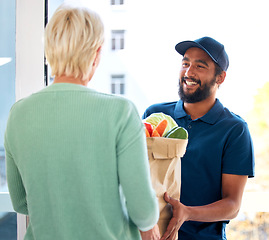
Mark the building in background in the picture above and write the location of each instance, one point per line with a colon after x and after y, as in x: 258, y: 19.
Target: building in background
x: 139, y: 62
x: 129, y: 65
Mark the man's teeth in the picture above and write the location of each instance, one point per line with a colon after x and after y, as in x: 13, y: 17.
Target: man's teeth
x: 190, y: 83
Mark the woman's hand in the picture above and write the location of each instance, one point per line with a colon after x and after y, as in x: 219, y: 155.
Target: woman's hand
x: 152, y: 234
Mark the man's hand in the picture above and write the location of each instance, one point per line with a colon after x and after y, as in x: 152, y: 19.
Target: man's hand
x: 224, y: 209
x: 152, y: 234
x: 180, y: 215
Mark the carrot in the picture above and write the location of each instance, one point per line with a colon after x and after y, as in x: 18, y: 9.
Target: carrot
x: 147, y: 132
x: 155, y: 133
x: 161, y: 126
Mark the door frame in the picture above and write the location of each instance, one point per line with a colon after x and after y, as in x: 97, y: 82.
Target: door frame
x: 30, y: 17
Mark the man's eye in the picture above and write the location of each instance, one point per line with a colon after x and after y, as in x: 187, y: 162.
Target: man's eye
x: 185, y: 64
x: 200, y: 66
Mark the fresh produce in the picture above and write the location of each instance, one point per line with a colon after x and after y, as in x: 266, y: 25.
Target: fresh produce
x: 177, y: 132
x: 171, y: 130
x: 155, y: 133
x: 149, y: 128
x: 147, y: 132
x: 162, y: 125
x: 155, y: 118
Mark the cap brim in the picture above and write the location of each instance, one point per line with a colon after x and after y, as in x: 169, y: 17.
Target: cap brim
x: 182, y: 47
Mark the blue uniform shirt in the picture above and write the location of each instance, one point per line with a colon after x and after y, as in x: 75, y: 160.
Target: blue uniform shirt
x: 219, y: 142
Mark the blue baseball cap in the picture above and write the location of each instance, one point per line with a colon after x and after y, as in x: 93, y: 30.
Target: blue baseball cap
x: 212, y: 47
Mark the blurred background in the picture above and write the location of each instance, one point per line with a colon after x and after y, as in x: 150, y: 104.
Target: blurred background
x: 139, y: 62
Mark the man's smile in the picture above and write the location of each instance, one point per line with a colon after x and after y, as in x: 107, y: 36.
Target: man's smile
x: 191, y: 81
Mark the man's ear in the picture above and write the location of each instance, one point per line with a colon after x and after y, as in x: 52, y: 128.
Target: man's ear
x: 221, y: 78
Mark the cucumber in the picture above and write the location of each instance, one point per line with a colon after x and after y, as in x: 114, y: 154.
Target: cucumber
x: 178, y: 132
x: 170, y: 131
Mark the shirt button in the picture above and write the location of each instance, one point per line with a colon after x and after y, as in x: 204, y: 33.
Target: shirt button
x: 189, y: 126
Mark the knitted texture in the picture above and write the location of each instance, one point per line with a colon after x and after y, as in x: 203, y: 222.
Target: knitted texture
x: 77, y: 165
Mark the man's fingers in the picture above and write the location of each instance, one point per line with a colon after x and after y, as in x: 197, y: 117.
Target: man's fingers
x: 170, y: 228
x: 176, y: 221
x: 170, y: 200
x: 166, y: 235
x: 166, y: 197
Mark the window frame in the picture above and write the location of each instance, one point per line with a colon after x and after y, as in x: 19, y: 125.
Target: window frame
x: 29, y: 76
x: 117, y: 40
x: 116, y: 2
x: 118, y: 84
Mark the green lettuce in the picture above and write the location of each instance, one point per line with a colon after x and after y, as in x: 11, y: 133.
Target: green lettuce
x: 155, y: 118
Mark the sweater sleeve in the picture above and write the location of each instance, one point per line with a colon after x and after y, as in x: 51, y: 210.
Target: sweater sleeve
x: 14, y: 180
x: 134, y: 173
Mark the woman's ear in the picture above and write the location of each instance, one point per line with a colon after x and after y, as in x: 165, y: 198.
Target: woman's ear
x: 97, y: 57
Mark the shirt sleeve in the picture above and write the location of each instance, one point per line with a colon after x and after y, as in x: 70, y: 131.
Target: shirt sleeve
x: 238, y: 153
x: 134, y: 173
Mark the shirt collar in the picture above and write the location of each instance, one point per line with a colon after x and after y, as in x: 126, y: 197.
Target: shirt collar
x: 210, y: 117
x: 179, y: 110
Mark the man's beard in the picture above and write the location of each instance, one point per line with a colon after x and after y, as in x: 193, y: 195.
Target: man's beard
x: 201, y: 93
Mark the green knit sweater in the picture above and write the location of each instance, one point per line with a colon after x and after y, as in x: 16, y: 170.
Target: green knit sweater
x: 77, y: 165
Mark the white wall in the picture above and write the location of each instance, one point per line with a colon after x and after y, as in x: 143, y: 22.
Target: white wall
x: 29, y: 47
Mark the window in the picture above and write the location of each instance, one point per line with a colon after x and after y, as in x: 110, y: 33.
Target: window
x: 28, y: 74
x: 118, y: 84
x: 8, y: 218
x: 3, y: 184
x: 117, y: 2
x: 117, y: 39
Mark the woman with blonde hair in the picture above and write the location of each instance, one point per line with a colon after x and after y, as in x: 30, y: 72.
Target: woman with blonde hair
x: 76, y: 158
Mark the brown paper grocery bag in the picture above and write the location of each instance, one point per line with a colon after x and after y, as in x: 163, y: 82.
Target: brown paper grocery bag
x: 165, y: 169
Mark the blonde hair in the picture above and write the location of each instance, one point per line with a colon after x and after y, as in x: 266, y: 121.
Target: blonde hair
x: 72, y: 38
